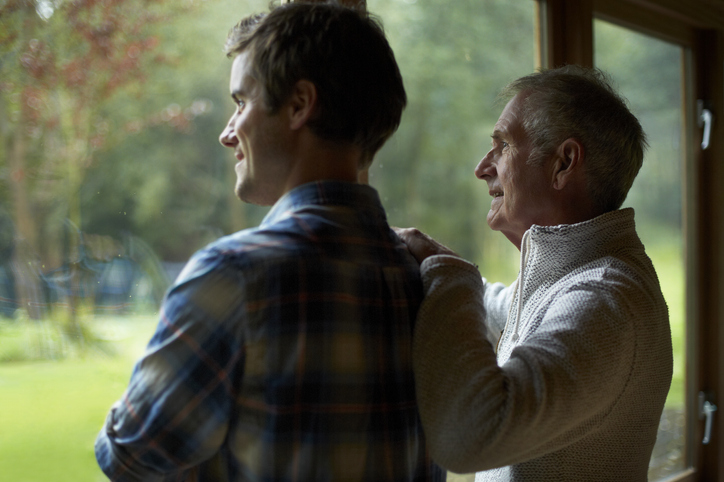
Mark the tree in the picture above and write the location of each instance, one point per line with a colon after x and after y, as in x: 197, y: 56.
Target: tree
x: 453, y: 62
x: 61, y: 63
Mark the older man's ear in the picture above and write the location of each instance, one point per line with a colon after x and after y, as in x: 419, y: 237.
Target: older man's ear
x: 568, y: 166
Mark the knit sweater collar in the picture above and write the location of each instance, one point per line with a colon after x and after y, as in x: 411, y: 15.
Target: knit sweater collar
x: 548, y: 253
x: 558, y: 247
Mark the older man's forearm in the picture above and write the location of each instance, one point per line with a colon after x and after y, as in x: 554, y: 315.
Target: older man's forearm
x: 455, y: 364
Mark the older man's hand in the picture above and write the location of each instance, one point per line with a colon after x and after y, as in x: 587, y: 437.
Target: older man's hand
x: 421, y: 245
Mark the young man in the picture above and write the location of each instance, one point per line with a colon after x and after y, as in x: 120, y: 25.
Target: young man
x: 563, y: 375
x: 284, y: 351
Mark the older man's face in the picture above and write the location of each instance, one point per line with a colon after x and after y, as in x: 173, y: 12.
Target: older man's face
x: 521, y: 192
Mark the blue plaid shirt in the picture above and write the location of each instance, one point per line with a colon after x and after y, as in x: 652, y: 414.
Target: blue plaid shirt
x: 283, y: 353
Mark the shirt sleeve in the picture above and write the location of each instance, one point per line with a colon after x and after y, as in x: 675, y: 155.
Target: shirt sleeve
x: 555, y: 386
x: 176, y: 409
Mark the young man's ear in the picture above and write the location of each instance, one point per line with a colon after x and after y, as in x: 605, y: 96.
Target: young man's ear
x: 302, y: 102
x: 568, y: 163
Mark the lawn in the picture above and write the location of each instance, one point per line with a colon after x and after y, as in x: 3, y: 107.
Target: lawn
x: 670, y: 270
x: 51, y: 411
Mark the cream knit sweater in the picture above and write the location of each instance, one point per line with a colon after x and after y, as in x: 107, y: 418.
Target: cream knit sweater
x: 582, y: 369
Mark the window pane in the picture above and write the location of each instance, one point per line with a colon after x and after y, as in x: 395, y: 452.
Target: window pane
x: 454, y: 59
x: 648, y: 72
x: 112, y: 177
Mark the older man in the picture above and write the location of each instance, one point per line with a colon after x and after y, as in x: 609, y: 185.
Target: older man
x: 284, y: 352
x: 563, y: 375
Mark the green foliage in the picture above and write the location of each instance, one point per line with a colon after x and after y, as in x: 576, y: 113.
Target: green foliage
x: 152, y: 167
x: 454, y: 62
x: 62, y: 64
x: 648, y: 73
x: 169, y: 180
x: 100, y: 121
x: 24, y: 339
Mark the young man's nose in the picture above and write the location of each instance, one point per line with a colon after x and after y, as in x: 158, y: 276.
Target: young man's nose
x: 228, y: 137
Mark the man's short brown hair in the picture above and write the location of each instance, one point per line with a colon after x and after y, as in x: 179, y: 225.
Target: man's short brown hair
x: 343, y: 52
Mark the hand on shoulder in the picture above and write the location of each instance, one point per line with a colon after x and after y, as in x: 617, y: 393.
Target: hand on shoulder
x: 420, y: 245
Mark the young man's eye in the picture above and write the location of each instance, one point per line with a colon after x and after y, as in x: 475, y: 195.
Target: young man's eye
x: 238, y: 101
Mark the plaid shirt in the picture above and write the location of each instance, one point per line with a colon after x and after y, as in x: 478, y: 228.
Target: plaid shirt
x: 282, y: 353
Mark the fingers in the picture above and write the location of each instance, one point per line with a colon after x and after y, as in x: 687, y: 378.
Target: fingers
x: 408, y: 234
x: 420, y: 245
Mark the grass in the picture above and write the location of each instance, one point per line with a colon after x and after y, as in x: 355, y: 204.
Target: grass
x: 52, y: 410
x: 667, y: 259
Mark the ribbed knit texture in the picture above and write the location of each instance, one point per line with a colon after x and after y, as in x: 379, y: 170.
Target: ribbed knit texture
x: 578, y: 396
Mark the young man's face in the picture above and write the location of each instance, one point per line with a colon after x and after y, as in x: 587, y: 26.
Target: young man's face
x: 259, y: 139
x: 521, y: 192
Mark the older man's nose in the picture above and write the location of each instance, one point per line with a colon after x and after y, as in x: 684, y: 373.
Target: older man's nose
x: 485, y: 168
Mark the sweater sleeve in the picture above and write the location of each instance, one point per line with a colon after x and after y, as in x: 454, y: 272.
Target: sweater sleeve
x: 496, y: 298
x: 450, y: 349
x: 553, y: 390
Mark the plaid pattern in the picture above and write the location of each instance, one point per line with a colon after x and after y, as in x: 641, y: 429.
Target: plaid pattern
x: 283, y: 353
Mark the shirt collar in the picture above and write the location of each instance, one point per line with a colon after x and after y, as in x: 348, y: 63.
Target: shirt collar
x: 330, y: 193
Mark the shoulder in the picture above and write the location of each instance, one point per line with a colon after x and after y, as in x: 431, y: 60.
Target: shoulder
x: 221, y: 279
x: 606, y: 299
x: 247, y: 248
x: 228, y: 266
x: 621, y: 279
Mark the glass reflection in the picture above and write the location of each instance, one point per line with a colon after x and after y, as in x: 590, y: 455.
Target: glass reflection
x: 112, y: 177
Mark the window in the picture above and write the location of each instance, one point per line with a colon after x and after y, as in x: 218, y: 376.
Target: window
x: 115, y: 177
x: 454, y: 61
x: 648, y: 72
x: 112, y: 177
